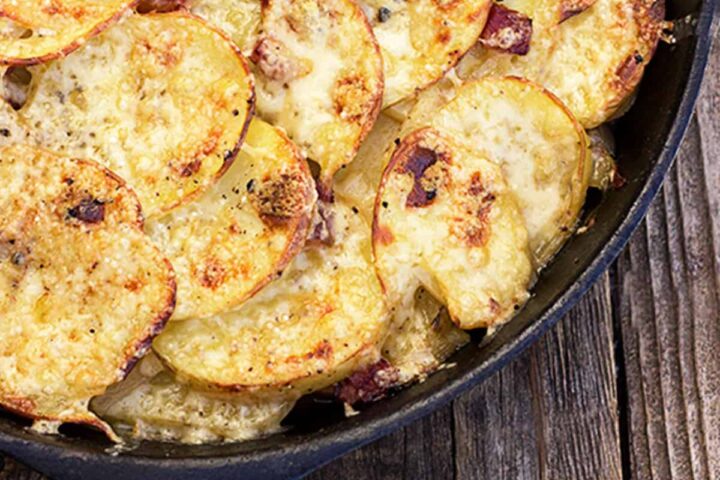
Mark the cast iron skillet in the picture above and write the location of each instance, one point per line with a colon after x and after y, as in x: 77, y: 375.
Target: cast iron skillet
x: 647, y: 139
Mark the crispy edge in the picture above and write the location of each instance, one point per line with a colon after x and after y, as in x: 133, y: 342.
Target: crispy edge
x: 326, y: 179
x: 455, y: 59
x: 379, y: 233
x: 25, y: 407
x: 98, y: 28
x: 227, y: 159
x: 300, y: 225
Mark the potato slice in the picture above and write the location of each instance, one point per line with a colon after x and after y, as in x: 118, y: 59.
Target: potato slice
x: 592, y: 61
x: 83, y: 291
x: 540, y: 146
x: 36, y: 31
x: 152, y: 405
x: 239, y: 235
x: 421, y: 338
x: 446, y: 220
x: 163, y: 100
x: 320, y: 321
x: 422, y: 39
x: 318, y: 69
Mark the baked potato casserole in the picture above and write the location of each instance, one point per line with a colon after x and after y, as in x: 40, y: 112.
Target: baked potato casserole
x: 212, y: 208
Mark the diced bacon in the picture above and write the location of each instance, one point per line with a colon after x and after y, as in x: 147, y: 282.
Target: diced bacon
x: 507, y: 30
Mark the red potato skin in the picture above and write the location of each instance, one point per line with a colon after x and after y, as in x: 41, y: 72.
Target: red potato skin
x: 101, y: 27
x: 230, y: 155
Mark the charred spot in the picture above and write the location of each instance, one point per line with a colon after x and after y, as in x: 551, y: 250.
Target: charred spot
x: 383, y: 235
x: 89, y: 210
x: 190, y: 169
x: 444, y: 36
x: 323, y: 350
x: 350, y: 97
x: 507, y: 30
x: 160, y: 6
x: 418, y: 163
x: 212, y: 274
x: 133, y: 285
x: 383, y: 14
x: 474, y: 227
x: 369, y: 384
x: 280, y: 199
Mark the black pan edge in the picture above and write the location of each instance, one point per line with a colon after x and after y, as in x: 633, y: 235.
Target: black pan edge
x: 296, y: 455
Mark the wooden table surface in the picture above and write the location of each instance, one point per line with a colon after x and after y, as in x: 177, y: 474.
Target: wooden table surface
x: 627, y: 386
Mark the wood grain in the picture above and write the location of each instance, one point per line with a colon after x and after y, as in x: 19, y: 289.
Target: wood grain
x: 669, y: 313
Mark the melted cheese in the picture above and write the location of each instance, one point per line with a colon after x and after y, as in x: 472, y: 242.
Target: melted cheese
x: 324, y: 318
x: 592, y: 61
x: 422, y: 39
x: 539, y: 145
x: 152, y: 405
x: 82, y: 290
x: 34, y: 31
x: 234, y: 239
x: 329, y: 71
x: 162, y: 100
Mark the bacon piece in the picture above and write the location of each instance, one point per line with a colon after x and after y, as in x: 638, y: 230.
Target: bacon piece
x: 323, y: 226
x: 507, y: 30
x: 369, y: 384
x: 274, y: 61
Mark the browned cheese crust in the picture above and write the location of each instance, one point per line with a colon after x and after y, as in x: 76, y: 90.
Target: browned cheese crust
x: 82, y: 290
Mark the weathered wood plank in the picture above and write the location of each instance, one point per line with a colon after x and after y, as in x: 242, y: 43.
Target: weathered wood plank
x: 670, y: 312
x: 422, y: 450
x: 553, y: 413
x: 11, y: 470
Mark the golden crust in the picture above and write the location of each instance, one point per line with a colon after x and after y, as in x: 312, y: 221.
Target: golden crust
x: 422, y: 39
x: 236, y: 237
x: 320, y: 321
x: 162, y: 99
x: 318, y: 69
x: 72, y: 239
x: 592, y: 61
x: 446, y: 220
x: 539, y: 144
x: 55, y: 28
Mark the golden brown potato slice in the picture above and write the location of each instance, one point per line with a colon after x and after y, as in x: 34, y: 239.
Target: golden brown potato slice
x: 422, y: 39
x: 240, y: 234
x: 35, y: 31
x: 83, y: 291
x: 446, y: 220
x: 163, y: 100
x: 421, y: 336
x: 320, y: 321
x: 538, y: 143
x: 318, y: 69
x: 151, y: 404
x: 592, y: 61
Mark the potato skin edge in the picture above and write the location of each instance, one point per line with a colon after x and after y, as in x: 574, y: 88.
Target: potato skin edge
x: 67, y: 50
